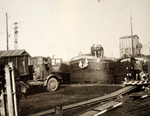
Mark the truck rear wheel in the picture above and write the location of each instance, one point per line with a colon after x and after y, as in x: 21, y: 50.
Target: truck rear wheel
x: 52, y: 85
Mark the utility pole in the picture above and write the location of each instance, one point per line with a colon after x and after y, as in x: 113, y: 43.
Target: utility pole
x: 131, y: 31
x: 131, y: 22
x: 53, y: 56
x: 15, y: 36
x: 7, y: 31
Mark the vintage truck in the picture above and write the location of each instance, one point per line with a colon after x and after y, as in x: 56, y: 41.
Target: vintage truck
x: 47, y: 72
x: 40, y: 71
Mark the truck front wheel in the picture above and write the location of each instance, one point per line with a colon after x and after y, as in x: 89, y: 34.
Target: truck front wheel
x: 52, y: 85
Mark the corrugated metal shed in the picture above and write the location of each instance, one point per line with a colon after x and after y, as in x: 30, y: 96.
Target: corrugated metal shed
x: 129, y: 36
x: 7, y: 53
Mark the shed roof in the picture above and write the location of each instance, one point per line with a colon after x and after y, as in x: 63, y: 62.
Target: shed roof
x: 128, y: 36
x: 7, y: 53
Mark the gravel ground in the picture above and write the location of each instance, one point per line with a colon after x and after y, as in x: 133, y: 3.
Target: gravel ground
x: 38, y: 101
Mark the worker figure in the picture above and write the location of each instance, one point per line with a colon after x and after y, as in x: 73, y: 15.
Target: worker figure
x: 98, y: 51
x: 133, y: 61
x: 144, y: 74
x: 138, y: 48
x: 93, y: 50
x: 131, y: 75
x: 128, y: 70
x: 145, y: 66
x: 138, y: 69
x: 101, y: 51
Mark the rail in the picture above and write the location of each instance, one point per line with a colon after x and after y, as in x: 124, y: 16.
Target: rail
x: 92, y: 101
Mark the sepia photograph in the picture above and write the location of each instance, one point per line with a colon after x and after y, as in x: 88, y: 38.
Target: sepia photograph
x: 74, y: 57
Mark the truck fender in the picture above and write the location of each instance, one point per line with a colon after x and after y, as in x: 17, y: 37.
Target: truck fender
x: 50, y: 76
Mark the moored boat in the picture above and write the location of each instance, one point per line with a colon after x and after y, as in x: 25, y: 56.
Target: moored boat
x: 90, y: 69
x: 132, y: 64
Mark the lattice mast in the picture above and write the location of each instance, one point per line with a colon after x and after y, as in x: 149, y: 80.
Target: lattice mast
x: 15, y: 36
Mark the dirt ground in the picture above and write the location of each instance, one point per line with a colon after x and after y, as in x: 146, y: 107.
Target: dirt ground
x: 38, y: 100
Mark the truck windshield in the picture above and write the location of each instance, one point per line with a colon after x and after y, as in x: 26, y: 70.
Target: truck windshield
x: 56, y: 61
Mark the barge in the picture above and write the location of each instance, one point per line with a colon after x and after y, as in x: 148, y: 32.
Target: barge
x: 86, y: 68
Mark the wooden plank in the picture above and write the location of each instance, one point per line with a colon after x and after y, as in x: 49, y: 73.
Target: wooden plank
x: 2, y: 110
x: 110, y: 107
x: 105, y: 106
x: 89, y: 113
x: 9, y: 90
x: 101, y: 109
x: 13, y: 89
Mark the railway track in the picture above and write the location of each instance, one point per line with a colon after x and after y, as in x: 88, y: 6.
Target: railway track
x: 138, y: 104
x: 73, y: 109
x: 143, y: 108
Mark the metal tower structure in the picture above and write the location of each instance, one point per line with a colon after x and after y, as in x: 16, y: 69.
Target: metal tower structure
x: 15, y: 36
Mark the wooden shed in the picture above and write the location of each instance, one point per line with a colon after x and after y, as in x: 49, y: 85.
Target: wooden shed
x: 20, y: 62
x: 129, y: 45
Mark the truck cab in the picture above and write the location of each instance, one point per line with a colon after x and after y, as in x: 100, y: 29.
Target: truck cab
x: 61, y: 68
x: 47, y: 72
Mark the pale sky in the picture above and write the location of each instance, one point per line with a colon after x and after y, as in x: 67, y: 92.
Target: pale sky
x: 65, y: 27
